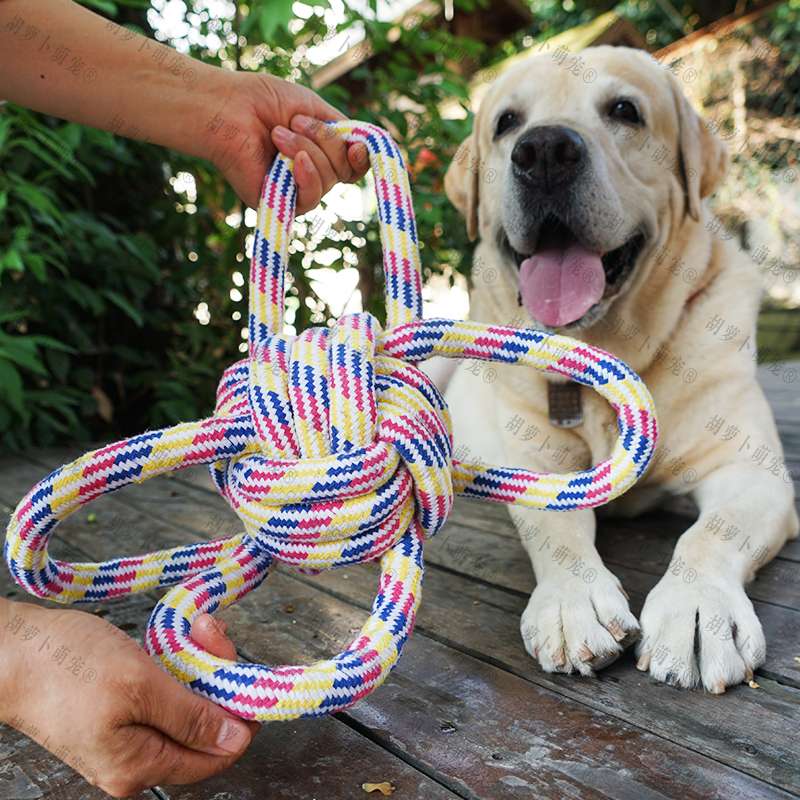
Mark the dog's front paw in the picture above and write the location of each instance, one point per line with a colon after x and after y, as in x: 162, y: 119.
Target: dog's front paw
x: 578, y: 624
x: 700, y: 631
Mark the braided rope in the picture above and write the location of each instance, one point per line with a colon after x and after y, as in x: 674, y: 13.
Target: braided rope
x: 333, y: 449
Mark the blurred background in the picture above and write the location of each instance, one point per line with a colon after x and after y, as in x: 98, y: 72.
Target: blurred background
x: 123, y: 266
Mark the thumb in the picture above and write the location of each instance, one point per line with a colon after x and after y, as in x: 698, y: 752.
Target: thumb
x: 193, y: 721
x: 358, y: 156
x: 209, y: 633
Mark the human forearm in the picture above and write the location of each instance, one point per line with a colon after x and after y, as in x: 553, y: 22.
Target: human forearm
x: 60, y: 58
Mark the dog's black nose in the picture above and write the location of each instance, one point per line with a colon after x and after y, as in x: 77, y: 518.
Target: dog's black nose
x: 549, y: 156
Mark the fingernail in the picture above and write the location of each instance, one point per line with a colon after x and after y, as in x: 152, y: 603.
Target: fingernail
x: 303, y: 122
x: 283, y: 135
x: 233, y: 736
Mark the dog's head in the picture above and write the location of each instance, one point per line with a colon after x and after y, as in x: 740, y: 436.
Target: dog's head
x: 575, y: 172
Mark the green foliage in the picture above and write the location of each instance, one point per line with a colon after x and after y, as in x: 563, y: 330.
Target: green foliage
x: 785, y: 33
x: 103, y: 264
x: 97, y: 286
x: 658, y: 27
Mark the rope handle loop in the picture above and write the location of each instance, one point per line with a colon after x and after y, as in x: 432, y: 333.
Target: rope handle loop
x: 396, y: 222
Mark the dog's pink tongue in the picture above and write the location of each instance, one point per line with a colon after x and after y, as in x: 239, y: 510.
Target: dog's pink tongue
x: 560, y: 286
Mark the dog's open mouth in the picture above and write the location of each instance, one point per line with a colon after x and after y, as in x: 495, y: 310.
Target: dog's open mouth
x: 561, y: 279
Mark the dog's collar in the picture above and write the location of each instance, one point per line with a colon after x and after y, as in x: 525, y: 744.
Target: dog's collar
x: 564, y: 406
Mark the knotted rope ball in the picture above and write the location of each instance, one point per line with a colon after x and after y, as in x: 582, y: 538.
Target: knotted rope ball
x: 333, y: 449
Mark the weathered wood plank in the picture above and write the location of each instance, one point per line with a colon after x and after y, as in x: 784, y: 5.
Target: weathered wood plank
x: 484, y: 621
x: 482, y: 730
x: 468, y: 554
x: 323, y: 756
x: 781, y: 385
x: 192, y: 509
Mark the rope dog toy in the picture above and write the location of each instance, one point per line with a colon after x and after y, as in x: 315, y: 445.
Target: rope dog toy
x: 333, y: 449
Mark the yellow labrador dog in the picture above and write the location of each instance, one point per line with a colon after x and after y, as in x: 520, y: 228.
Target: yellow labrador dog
x: 586, y: 190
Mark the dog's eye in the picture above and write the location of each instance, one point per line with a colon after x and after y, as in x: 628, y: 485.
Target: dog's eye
x: 625, y: 111
x: 506, y: 121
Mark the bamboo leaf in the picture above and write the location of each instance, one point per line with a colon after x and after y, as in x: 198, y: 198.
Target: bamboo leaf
x: 11, y: 387
x: 124, y: 305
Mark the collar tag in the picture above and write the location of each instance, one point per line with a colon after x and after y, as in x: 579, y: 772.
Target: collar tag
x: 564, y: 404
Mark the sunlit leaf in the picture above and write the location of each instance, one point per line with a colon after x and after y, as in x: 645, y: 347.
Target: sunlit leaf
x: 272, y: 15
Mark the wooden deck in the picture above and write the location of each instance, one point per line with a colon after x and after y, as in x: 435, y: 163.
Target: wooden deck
x: 466, y: 713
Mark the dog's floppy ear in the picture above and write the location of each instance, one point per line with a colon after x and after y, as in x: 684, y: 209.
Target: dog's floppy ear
x: 461, y: 181
x: 702, y: 157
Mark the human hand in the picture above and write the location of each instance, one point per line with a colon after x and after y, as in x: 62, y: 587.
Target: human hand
x: 260, y: 115
x: 236, y: 120
x: 122, y: 721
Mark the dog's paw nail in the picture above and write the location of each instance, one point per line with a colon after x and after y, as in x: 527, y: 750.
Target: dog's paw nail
x: 560, y: 658
x: 585, y: 654
x: 718, y: 688
x: 616, y: 630
x: 643, y: 663
x: 748, y: 676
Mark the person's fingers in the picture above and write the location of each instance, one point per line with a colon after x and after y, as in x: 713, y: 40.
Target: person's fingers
x: 358, y: 156
x: 309, y: 183
x: 191, y: 720
x: 209, y: 633
x: 349, y: 161
x: 292, y: 143
x: 330, y: 144
x: 158, y: 760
